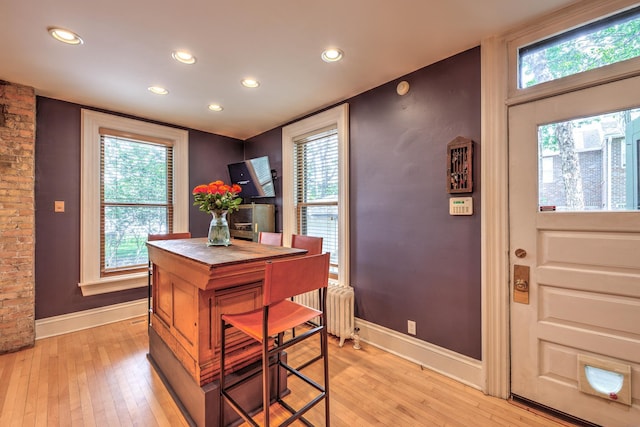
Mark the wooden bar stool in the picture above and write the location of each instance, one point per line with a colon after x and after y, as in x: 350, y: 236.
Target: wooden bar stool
x: 282, y: 280
x: 269, y: 238
x: 312, y: 244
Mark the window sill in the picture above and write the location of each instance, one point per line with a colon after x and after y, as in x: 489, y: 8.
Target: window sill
x: 114, y: 284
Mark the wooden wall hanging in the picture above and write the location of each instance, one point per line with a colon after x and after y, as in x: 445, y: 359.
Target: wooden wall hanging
x: 460, y: 165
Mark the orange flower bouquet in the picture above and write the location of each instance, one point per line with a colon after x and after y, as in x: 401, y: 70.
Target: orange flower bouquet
x: 217, y: 196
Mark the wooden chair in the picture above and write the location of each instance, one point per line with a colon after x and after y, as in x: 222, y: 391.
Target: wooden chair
x: 312, y: 244
x: 269, y: 238
x: 151, y: 237
x: 283, y: 279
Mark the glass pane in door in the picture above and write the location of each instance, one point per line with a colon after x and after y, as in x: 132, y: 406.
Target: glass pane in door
x: 590, y: 163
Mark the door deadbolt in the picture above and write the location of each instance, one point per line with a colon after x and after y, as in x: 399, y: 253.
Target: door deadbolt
x: 521, y: 284
x: 521, y: 253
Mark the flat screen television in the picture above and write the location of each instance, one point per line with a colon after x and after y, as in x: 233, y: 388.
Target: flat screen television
x: 254, y: 176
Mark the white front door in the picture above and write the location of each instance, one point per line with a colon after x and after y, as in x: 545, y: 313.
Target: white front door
x: 575, y: 346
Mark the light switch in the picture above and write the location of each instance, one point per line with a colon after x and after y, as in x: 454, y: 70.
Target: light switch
x: 58, y: 206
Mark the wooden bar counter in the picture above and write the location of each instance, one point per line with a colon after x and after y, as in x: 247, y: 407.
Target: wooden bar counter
x: 193, y: 284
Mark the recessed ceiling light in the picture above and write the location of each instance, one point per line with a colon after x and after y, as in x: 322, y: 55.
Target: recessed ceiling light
x: 215, y: 107
x: 183, y: 56
x: 158, y: 90
x: 332, y: 55
x: 250, y: 83
x: 65, y: 36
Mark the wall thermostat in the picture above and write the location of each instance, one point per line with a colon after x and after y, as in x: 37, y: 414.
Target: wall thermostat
x: 461, y: 206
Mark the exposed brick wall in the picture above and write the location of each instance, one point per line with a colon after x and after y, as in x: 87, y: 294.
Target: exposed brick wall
x: 17, y: 216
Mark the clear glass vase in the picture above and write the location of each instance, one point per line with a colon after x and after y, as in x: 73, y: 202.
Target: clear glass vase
x: 219, y: 230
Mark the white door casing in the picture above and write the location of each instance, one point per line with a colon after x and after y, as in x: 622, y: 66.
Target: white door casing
x: 584, y: 279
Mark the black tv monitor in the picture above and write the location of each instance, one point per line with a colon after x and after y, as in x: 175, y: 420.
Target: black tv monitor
x: 254, y: 176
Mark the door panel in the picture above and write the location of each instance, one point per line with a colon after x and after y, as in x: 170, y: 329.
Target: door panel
x: 584, y: 284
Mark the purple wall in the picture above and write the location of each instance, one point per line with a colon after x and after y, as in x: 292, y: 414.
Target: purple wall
x: 57, y: 251
x: 209, y: 155
x: 410, y: 260
x: 269, y: 144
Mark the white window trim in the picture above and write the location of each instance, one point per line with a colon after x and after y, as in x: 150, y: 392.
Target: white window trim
x: 336, y: 116
x: 556, y: 23
x: 90, y: 281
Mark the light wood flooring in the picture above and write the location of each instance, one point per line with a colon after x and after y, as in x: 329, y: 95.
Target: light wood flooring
x: 101, y: 377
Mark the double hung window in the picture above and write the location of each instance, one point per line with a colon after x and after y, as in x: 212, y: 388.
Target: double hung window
x: 316, y: 179
x: 315, y: 156
x: 136, y: 198
x: 134, y: 183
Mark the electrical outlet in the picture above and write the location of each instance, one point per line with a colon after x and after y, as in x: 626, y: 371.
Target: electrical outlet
x: 411, y: 327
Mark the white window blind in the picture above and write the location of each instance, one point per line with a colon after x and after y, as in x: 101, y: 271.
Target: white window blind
x: 136, y: 198
x: 316, y: 187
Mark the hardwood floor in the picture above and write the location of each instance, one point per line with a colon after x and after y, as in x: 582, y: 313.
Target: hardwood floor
x: 101, y: 377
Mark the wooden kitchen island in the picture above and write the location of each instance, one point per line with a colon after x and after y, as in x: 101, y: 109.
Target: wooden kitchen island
x: 192, y: 285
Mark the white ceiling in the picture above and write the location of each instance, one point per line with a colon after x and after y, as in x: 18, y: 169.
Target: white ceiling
x: 128, y: 44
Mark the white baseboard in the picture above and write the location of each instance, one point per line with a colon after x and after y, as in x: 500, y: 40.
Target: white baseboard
x: 58, y: 325
x: 446, y: 362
